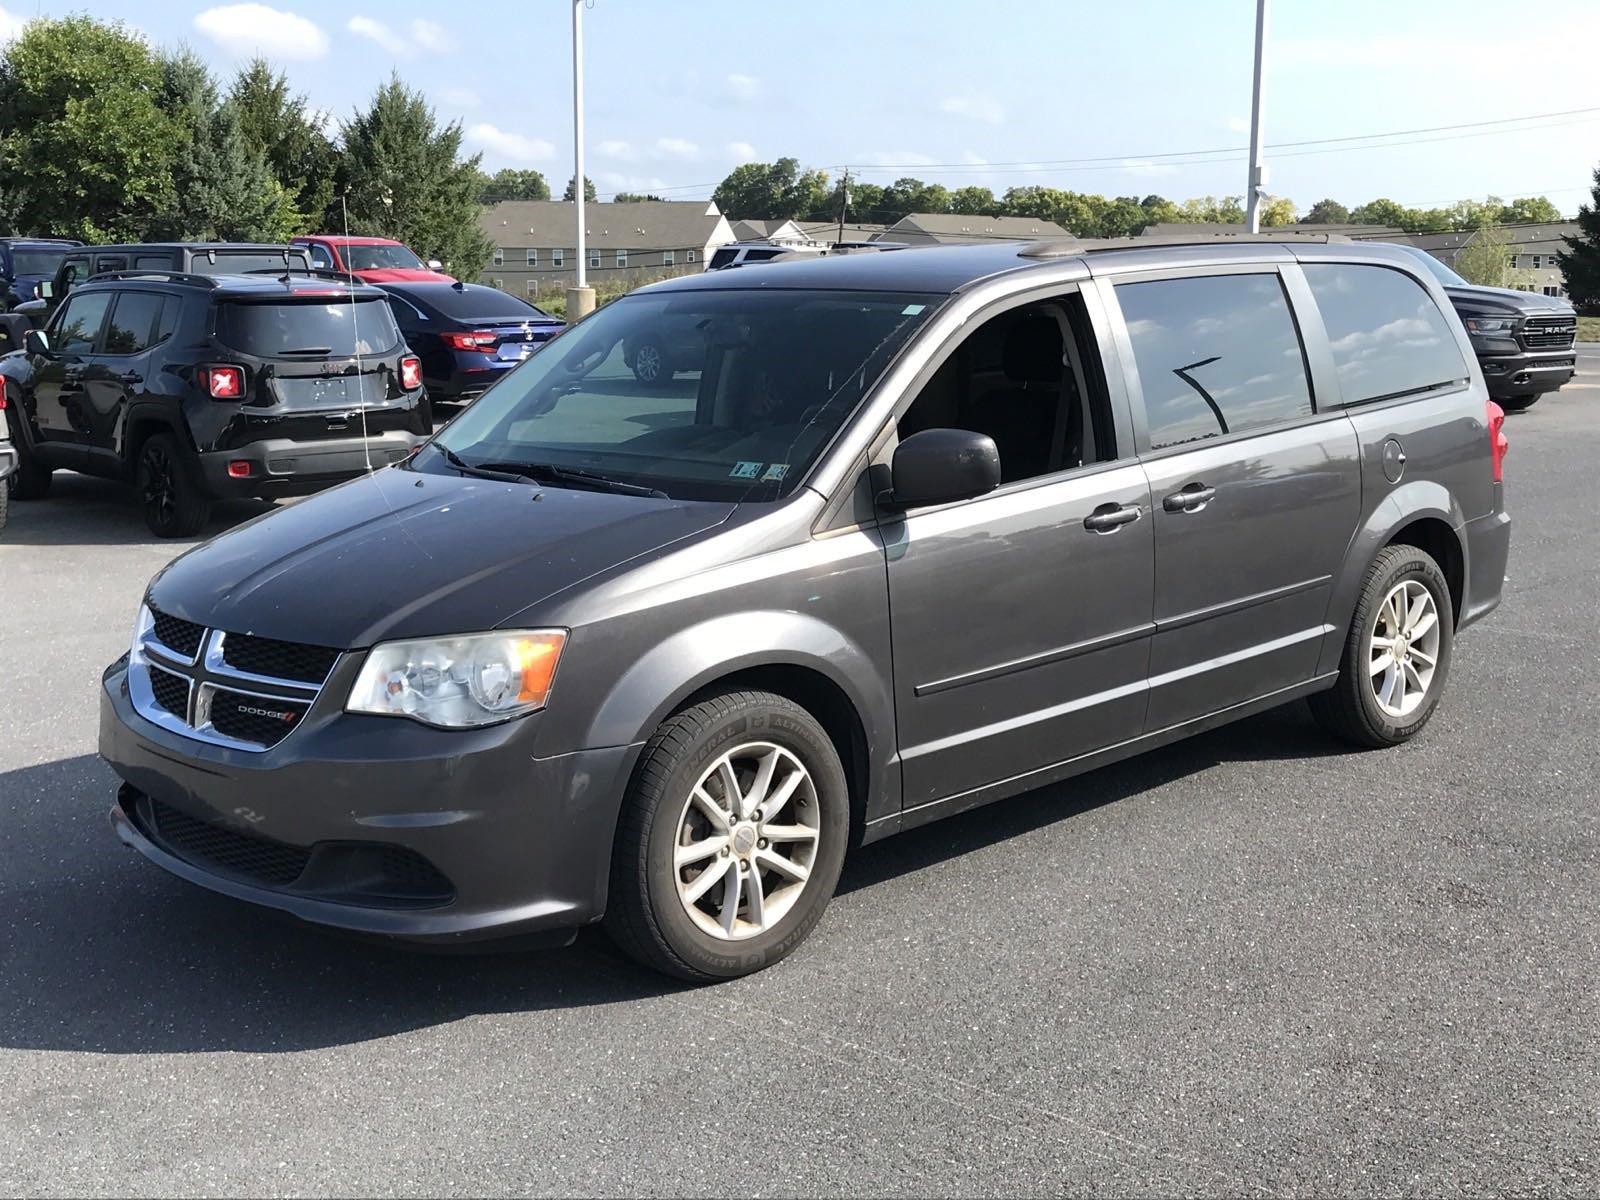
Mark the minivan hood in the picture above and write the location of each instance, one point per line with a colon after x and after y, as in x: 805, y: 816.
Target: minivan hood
x: 1485, y: 299
x: 402, y: 554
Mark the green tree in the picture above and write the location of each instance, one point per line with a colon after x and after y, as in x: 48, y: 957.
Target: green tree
x: 571, y: 193
x: 1277, y: 210
x: 974, y: 201
x: 402, y: 177
x: 1530, y: 210
x: 906, y: 196
x: 85, y: 148
x: 1580, y: 261
x: 1328, y: 212
x: 773, y: 191
x: 866, y: 203
x: 1485, y: 259
x: 635, y: 197
x: 508, y: 183
x: 1158, y: 210
x: 223, y: 189
x: 1209, y: 210
x: 283, y: 126
x: 1383, y: 212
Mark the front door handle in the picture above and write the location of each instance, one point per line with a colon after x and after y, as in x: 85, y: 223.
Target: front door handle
x: 1109, y: 518
x: 130, y: 377
x: 71, y: 374
x: 1191, y: 499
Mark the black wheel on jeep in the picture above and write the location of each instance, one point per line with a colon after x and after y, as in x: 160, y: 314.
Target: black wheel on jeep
x: 30, y: 481
x: 732, y: 836
x: 1396, y: 657
x: 1518, y: 403
x: 174, y: 502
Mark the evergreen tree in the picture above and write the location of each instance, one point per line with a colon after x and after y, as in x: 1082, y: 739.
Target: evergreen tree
x: 401, y: 177
x: 571, y: 193
x: 289, y: 133
x: 1580, y: 261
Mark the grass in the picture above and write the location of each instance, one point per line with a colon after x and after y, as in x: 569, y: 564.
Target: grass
x: 1589, y: 329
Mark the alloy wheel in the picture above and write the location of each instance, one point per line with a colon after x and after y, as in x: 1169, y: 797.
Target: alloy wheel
x: 647, y: 362
x: 159, y: 493
x: 746, y: 841
x: 1404, y: 648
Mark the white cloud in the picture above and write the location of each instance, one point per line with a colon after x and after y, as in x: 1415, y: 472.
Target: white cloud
x: 10, y: 25
x: 417, y: 36
x: 618, y: 149
x: 615, y: 181
x: 459, y: 97
x: 974, y: 108
x: 743, y: 87
x: 741, y: 151
x: 502, y: 144
x: 258, y: 29
x: 1238, y: 125
x: 675, y: 147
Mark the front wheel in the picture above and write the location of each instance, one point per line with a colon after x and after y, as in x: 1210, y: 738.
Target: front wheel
x: 1519, y: 403
x: 175, y: 505
x: 1397, y: 654
x: 732, y: 837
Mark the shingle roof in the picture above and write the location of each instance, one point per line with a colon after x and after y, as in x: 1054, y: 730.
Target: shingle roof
x: 854, y: 231
x: 651, y: 224
x: 958, y: 227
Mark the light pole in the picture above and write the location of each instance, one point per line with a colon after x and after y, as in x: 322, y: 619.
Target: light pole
x: 580, y: 299
x: 1258, y: 180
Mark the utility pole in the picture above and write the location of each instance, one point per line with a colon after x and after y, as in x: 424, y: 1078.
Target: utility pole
x: 844, y: 200
x: 580, y: 299
x: 1258, y: 179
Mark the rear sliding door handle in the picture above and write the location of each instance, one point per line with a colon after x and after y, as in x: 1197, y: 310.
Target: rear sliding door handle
x: 1191, y: 499
x: 1109, y: 518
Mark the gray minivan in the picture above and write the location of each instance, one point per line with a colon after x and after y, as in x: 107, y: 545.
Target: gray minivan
x: 916, y: 532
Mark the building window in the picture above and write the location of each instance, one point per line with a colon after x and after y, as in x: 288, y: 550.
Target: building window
x: 622, y: 258
x: 498, y: 282
x: 499, y: 257
x: 1551, y: 290
x: 668, y: 258
x: 531, y: 287
x: 558, y: 257
x: 1513, y: 262
x: 533, y: 258
x: 594, y: 258
x: 1537, y: 262
x: 689, y: 257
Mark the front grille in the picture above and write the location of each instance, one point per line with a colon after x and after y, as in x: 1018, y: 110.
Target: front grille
x: 204, y: 844
x: 175, y: 634
x: 280, y: 660
x: 171, y: 691
x: 1549, y: 333
x: 264, y: 721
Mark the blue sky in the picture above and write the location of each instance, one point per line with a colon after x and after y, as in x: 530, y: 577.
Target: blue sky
x: 679, y: 91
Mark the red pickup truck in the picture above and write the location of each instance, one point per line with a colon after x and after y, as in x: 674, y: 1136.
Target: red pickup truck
x: 369, y: 259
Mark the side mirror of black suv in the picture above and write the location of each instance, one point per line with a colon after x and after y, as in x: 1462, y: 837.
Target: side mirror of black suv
x: 36, y: 341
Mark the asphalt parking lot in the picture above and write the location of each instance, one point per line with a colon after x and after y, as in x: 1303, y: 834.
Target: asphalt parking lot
x: 1249, y: 962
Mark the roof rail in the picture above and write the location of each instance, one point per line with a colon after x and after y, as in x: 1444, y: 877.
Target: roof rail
x: 1067, y: 248
x: 156, y: 273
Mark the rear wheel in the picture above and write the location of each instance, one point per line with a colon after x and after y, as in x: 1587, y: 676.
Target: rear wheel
x: 174, y: 502
x: 1397, y: 655
x: 650, y: 363
x: 1518, y: 403
x: 731, y: 840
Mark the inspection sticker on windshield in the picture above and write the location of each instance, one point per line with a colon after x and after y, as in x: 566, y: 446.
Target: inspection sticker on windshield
x: 745, y: 470
x: 912, y: 310
x: 775, y: 471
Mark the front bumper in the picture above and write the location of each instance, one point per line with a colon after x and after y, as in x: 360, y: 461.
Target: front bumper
x: 1528, y: 372
x: 524, y: 843
x: 283, y: 466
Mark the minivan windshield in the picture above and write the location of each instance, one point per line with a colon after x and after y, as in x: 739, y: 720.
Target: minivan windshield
x: 710, y: 395
x: 306, y: 329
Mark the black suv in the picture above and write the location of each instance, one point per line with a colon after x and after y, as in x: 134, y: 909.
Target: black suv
x: 202, y: 387
x: 25, y: 263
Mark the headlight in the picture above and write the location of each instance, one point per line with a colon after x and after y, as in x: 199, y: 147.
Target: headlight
x: 1491, y: 324
x: 459, y: 682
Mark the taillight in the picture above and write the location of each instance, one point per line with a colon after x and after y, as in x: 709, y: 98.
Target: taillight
x: 1498, y: 445
x: 470, y: 341
x: 2, y: 392
x: 223, y: 383
x: 410, y: 372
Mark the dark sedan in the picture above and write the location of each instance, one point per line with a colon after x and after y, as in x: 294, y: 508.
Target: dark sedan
x: 467, y: 335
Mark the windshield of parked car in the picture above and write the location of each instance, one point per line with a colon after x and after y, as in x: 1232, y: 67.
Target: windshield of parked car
x: 702, y: 395
x: 378, y: 258
x: 36, y: 261
x: 307, y: 328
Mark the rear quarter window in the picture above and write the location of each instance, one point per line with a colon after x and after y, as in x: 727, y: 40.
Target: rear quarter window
x: 307, y: 329
x: 1388, y: 336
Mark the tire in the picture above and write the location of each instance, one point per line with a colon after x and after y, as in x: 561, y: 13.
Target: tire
x: 5, y: 500
x: 1355, y: 709
x: 1518, y: 403
x: 650, y: 365
x: 651, y: 915
x: 30, y: 481
x: 174, y: 502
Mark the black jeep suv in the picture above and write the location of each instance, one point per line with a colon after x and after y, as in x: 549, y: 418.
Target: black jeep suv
x: 202, y: 387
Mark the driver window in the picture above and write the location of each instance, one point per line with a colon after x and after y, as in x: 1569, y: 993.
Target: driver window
x: 321, y: 260
x: 1031, y: 380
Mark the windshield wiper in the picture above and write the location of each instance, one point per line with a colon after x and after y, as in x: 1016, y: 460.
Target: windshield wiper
x: 485, y: 471
x: 574, y: 477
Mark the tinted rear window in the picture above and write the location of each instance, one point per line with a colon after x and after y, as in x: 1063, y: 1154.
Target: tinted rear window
x: 1389, y: 337
x: 243, y: 262
x: 480, y: 304
x: 307, y: 330
x: 36, y: 261
x: 1216, y: 355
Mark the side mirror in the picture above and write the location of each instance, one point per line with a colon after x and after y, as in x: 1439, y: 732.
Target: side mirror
x: 435, y: 265
x: 940, y: 466
x: 36, y: 341
x: 44, y: 289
